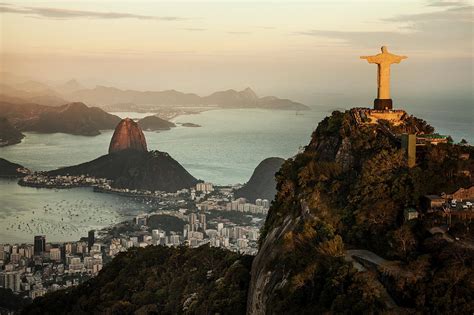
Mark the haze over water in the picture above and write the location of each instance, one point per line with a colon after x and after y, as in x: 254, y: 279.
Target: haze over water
x: 225, y: 150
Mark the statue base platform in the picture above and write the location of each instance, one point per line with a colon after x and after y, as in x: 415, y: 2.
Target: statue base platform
x: 383, y: 104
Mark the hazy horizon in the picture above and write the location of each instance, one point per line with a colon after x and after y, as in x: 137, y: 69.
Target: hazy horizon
x: 303, y: 51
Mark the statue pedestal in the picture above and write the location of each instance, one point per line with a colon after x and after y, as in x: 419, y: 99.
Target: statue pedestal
x: 383, y: 104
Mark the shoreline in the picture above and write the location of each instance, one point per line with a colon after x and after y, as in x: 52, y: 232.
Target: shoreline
x: 167, y: 113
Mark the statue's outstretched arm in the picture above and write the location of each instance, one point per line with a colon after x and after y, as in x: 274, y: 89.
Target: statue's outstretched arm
x: 399, y: 58
x: 370, y: 59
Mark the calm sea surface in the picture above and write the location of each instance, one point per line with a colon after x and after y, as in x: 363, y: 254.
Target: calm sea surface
x: 61, y: 215
x: 225, y: 150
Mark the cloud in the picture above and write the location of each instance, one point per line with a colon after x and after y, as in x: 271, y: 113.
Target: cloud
x: 447, y: 32
x: 266, y: 27
x: 454, y: 15
x: 58, y: 13
x: 194, y: 29
x: 446, y: 3
x: 238, y: 33
x: 5, y: 8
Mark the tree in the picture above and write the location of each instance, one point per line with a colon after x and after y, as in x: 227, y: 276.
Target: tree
x: 403, y: 240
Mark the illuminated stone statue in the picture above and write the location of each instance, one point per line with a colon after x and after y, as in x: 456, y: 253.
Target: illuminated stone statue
x: 383, y: 61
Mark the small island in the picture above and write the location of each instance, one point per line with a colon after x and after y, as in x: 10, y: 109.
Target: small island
x: 192, y: 125
x: 155, y: 123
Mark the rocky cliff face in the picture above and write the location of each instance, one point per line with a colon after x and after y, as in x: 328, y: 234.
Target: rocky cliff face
x: 127, y: 135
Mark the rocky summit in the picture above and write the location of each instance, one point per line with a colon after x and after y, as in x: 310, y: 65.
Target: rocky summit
x: 127, y: 135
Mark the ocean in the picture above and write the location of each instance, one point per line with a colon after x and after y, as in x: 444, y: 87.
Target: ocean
x: 224, y: 150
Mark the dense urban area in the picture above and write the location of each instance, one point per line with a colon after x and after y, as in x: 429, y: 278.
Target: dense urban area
x: 204, y: 214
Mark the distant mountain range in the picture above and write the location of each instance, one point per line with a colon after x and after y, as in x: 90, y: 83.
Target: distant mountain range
x: 32, y: 94
x: 18, y: 89
x: 30, y: 105
x: 116, y: 99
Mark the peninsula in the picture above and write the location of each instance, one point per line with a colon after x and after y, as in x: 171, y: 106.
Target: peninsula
x: 8, y: 133
x: 128, y: 166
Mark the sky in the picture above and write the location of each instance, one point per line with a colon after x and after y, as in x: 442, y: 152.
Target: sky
x: 304, y: 50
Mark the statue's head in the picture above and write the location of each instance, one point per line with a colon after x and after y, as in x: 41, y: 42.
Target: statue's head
x: 384, y: 49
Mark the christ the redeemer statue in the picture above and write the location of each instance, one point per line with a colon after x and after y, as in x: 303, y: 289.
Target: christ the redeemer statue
x: 383, y: 61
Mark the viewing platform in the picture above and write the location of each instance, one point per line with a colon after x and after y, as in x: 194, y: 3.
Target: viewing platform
x: 367, y: 116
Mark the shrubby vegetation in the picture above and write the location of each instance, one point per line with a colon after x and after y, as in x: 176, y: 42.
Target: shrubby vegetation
x: 11, y: 301
x: 357, y: 196
x: 164, y: 222
x: 159, y: 280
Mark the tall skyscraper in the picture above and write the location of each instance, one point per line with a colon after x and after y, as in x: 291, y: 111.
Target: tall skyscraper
x: 192, y: 218
x: 202, y: 221
x: 193, y: 221
x: 39, y: 244
x: 90, y: 239
x: 11, y: 280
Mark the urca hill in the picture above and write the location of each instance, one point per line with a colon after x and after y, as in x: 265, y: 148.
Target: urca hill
x: 130, y: 165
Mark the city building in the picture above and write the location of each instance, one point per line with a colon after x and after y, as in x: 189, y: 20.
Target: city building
x: 410, y: 214
x: 90, y: 239
x: 10, y: 280
x: 55, y: 254
x: 204, y: 187
x: 39, y: 245
x: 202, y: 221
